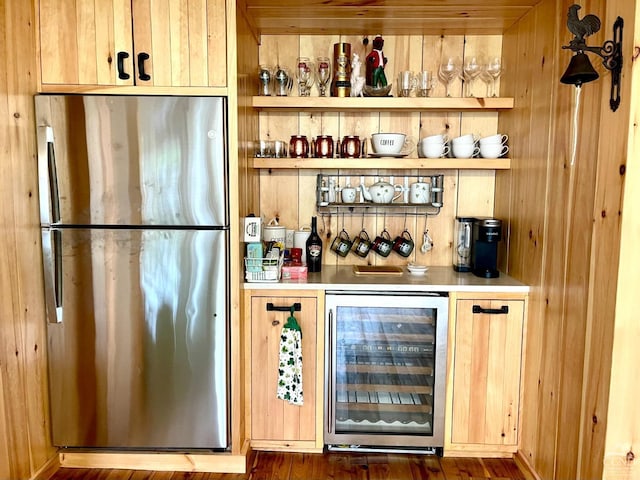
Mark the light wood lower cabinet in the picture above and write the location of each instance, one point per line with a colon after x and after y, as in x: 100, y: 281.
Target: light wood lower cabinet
x: 486, y: 355
x: 276, y: 424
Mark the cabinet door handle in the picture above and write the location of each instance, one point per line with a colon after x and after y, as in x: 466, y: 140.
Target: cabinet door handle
x: 504, y: 310
x: 122, y: 75
x: 143, y: 57
x: 273, y: 308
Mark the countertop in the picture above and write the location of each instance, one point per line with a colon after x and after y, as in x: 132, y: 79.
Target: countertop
x: 437, y: 279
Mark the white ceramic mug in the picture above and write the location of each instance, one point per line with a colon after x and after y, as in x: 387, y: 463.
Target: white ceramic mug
x: 419, y: 192
x: 498, y: 138
x: 493, y: 150
x: 348, y: 194
x: 465, y: 150
x: 391, y: 143
x: 469, y: 138
x: 435, y: 139
x: 434, y: 150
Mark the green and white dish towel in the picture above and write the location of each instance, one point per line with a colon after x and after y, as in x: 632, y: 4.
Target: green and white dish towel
x: 290, y: 364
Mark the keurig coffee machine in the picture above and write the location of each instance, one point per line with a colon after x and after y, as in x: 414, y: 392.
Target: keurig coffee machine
x: 484, y: 252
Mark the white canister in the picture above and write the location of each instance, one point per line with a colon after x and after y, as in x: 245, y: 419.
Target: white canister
x: 300, y: 240
x: 272, y: 232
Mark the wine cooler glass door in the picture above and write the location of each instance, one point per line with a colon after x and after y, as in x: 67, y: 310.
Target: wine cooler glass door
x: 386, y: 364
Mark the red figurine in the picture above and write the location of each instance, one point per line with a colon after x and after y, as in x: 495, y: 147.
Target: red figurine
x: 375, y: 65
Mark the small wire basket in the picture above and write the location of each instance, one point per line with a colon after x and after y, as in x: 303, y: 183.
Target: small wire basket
x: 263, y: 269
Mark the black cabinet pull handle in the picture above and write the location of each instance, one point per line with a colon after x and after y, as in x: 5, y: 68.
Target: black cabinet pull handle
x: 491, y: 311
x: 122, y: 75
x: 272, y: 308
x: 143, y: 57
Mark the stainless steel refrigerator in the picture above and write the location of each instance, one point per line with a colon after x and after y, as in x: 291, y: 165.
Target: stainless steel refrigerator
x: 135, y: 236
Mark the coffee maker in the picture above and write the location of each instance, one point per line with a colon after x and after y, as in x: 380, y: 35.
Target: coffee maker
x: 484, y: 251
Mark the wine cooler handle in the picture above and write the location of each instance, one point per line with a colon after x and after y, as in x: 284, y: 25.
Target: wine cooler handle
x: 504, y: 310
x: 272, y: 308
x: 331, y: 374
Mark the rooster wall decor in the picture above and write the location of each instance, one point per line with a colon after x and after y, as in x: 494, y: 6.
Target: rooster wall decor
x: 610, y: 52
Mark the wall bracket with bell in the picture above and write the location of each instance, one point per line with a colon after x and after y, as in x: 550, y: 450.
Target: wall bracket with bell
x: 580, y: 69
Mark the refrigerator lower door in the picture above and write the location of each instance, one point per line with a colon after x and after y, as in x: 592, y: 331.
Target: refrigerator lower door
x: 139, y: 359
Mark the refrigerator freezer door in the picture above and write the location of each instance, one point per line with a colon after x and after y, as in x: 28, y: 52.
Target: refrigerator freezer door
x: 140, y: 357
x: 131, y: 160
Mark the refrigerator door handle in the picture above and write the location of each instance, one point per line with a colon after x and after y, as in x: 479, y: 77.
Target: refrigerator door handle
x: 48, y: 177
x: 52, y: 262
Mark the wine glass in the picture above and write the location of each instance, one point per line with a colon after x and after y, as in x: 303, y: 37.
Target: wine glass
x: 494, y: 68
x: 323, y: 74
x: 448, y: 70
x: 471, y: 70
x: 304, y: 75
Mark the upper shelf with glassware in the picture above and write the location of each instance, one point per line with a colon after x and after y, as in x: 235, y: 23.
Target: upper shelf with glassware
x: 413, y: 104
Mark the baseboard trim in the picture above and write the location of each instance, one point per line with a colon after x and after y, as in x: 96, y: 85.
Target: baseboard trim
x: 525, y: 467
x: 173, y: 462
x: 48, y: 469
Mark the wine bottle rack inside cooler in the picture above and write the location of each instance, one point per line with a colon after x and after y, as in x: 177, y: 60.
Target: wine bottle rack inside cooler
x: 386, y: 359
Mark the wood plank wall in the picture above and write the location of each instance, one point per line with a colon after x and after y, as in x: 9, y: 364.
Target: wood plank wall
x: 564, y: 236
x: 623, y: 421
x: 289, y: 195
x: 24, y: 423
x: 248, y: 201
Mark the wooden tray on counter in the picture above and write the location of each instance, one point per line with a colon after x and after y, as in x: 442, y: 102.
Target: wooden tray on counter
x: 377, y: 270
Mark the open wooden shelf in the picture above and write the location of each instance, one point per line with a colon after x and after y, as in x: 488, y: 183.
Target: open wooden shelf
x: 385, y: 163
x: 341, y: 104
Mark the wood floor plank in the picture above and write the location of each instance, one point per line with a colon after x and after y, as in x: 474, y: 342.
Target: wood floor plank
x: 309, y: 465
x: 463, y: 468
x: 332, y: 465
x: 499, y: 468
x: 272, y: 466
x: 426, y: 467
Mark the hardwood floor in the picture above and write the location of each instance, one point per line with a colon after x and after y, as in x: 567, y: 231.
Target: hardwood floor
x: 335, y: 466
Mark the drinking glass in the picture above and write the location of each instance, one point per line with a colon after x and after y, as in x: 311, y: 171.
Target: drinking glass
x: 304, y: 75
x: 494, y: 68
x: 425, y: 83
x: 448, y: 71
x: 471, y: 70
x: 323, y: 74
x: 406, y: 83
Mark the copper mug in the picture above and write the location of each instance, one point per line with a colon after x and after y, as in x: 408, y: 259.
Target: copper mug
x: 299, y: 146
x: 350, y: 147
x: 324, y: 146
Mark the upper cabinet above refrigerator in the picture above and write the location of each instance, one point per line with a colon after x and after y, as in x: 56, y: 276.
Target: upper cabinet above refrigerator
x: 132, y: 43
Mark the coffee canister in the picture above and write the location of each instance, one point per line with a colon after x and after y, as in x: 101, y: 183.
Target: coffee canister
x: 341, y: 84
x: 272, y: 232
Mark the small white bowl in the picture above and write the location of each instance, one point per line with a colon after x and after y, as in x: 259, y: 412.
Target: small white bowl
x: 417, y: 269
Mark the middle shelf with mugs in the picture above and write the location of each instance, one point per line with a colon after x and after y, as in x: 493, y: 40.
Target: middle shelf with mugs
x: 319, y: 106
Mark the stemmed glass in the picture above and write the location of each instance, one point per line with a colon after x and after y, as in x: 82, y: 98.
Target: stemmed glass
x: 494, y: 68
x: 323, y: 74
x: 304, y: 74
x: 471, y: 70
x: 448, y: 70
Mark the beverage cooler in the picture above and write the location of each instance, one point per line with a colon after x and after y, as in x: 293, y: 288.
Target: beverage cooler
x: 385, y: 370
